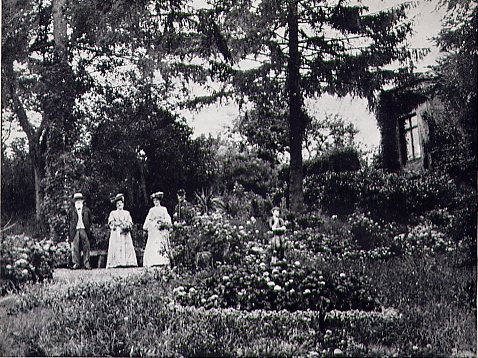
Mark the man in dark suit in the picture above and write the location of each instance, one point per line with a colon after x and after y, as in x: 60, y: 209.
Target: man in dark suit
x: 79, y: 219
x: 183, y: 212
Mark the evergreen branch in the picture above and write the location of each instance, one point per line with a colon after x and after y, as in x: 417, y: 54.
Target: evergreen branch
x: 200, y: 101
x: 255, y: 60
x: 99, y: 53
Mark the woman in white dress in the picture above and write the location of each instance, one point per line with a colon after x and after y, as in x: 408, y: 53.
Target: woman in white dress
x: 120, y: 248
x: 157, y: 224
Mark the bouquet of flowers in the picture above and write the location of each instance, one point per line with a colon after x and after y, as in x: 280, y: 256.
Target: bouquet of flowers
x: 125, y: 230
x: 162, y: 225
x: 123, y: 225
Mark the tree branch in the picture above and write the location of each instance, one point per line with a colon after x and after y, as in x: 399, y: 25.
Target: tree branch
x: 18, y: 108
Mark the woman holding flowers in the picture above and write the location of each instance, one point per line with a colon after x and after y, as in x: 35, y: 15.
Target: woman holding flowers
x: 157, y: 224
x: 120, y: 248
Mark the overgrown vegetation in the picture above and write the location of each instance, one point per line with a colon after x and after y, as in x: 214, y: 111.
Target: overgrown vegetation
x: 379, y: 264
x: 427, y: 310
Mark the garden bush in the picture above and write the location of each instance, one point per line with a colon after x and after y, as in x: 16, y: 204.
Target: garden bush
x: 370, y: 234
x: 322, y: 241
x: 423, y: 238
x: 386, y: 196
x: 242, y: 205
x: 62, y: 254
x: 286, y: 287
x: 25, y: 260
x: 334, y: 193
x: 223, y: 237
x: 360, y: 236
x: 462, y: 228
x: 334, y: 160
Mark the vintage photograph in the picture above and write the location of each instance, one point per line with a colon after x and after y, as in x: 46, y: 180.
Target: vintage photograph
x: 238, y: 178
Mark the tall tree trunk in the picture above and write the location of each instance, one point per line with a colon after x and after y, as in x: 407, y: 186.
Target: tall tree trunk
x: 296, y: 119
x: 33, y: 137
x: 143, y: 183
x: 60, y: 29
x: 38, y: 197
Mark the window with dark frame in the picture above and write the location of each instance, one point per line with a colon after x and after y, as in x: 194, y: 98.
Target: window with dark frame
x: 412, y: 137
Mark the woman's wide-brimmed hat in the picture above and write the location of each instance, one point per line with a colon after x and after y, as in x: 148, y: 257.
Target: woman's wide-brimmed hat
x: 117, y: 198
x: 77, y: 196
x: 157, y: 195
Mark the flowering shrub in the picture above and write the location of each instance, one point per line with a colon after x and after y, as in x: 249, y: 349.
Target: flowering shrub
x: 224, y: 238
x: 360, y: 236
x: 442, y: 218
x: 321, y: 243
x: 312, y: 219
x: 61, y: 254
x: 424, y: 237
x: 370, y: 234
x: 290, y: 287
x: 25, y: 260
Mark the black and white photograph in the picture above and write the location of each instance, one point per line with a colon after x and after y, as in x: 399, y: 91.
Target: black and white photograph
x: 238, y: 178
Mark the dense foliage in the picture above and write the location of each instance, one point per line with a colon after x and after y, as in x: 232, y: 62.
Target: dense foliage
x: 456, y: 87
x: 252, y: 286
x: 138, y: 148
x: 357, y: 283
x: 25, y: 260
x: 388, y: 196
x: 18, y: 190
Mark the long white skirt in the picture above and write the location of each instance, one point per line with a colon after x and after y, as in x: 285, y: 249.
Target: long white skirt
x: 156, y: 252
x: 120, y: 250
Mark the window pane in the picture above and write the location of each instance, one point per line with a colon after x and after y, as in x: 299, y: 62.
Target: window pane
x: 416, y: 143
x: 408, y: 138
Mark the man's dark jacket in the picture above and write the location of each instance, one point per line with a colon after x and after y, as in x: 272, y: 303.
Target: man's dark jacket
x: 73, y: 220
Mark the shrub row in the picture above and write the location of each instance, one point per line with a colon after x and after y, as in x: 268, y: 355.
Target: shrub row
x: 387, y: 196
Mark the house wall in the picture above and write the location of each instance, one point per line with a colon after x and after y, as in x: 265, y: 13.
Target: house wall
x: 424, y: 111
x: 393, y: 106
